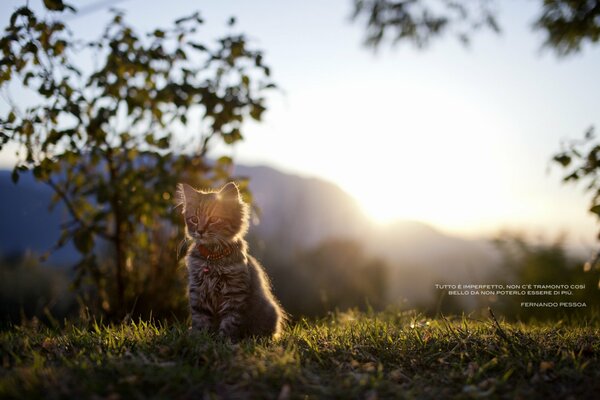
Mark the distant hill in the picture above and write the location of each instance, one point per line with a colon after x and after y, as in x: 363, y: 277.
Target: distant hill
x: 26, y: 223
x: 299, y: 211
x: 296, y: 212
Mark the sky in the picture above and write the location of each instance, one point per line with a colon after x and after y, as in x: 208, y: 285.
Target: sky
x: 459, y: 138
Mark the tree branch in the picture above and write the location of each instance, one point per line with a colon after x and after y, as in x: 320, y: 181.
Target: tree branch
x: 71, y: 209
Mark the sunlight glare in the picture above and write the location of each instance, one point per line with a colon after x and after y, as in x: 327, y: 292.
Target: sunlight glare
x: 427, y: 156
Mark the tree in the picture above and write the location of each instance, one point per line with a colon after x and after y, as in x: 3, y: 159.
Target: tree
x: 420, y: 21
x: 523, y: 262
x: 103, y: 141
x: 567, y: 24
x: 581, y: 160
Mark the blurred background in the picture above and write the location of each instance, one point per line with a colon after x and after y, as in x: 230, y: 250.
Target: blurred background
x: 377, y: 167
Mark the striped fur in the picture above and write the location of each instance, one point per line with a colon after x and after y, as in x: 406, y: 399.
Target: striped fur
x: 229, y: 295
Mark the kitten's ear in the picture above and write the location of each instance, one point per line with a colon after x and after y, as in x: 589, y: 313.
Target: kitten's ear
x: 230, y: 191
x: 184, y: 193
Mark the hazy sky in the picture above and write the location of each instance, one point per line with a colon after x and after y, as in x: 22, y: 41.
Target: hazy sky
x: 458, y: 138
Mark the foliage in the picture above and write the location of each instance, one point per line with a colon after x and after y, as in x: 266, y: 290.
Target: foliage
x: 421, y: 21
x: 103, y: 139
x: 567, y: 24
x: 581, y: 161
x: 29, y: 290
x: 526, y: 263
x: 352, y: 355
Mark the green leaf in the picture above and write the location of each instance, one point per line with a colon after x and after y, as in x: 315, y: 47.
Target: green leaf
x: 54, y: 5
x: 15, y: 175
x: 102, y: 193
x: 198, y: 46
x: 224, y: 161
x: 562, y: 159
x: 163, y: 143
x: 83, y: 240
x: 38, y: 172
x: 256, y: 111
x: 233, y: 136
x: 596, y: 210
x: 25, y: 11
x: 53, y: 137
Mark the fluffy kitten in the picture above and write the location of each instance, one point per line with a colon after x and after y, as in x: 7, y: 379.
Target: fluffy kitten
x: 229, y: 291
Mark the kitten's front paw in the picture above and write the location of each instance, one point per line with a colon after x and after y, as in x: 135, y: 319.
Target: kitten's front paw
x: 232, y: 335
x: 202, y: 322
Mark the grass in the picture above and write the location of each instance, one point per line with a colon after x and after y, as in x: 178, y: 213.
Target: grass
x: 349, y: 355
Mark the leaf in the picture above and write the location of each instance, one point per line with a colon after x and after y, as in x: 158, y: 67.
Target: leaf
x: 224, y: 161
x: 256, y: 111
x: 15, y: 175
x: 102, y: 193
x: 59, y: 47
x: 53, y: 137
x: 27, y: 77
x: 25, y: 11
x: 198, y: 46
x: 38, y: 172
x: 562, y: 159
x: 195, y: 16
x: 589, y: 134
x: 163, y: 143
x: 232, y: 137
x: 83, y: 240
x: 596, y: 210
x: 54, y: 5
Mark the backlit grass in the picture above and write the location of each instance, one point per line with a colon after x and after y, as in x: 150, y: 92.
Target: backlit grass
x: 349, y: 355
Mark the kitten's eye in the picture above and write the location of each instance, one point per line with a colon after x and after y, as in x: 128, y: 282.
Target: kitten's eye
x: 193, y: 220
x: 214, y: 220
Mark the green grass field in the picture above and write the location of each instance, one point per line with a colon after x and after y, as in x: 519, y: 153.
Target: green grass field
x: 350, y: 355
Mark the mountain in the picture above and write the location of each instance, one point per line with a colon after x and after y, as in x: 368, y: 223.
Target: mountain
x: 299, y: 211
x: 26, y: 222
x: 421, y: 256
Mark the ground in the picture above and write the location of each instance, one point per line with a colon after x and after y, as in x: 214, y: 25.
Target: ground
x: 348, y: 355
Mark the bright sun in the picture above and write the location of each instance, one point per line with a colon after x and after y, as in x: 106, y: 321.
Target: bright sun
x: 434, y: 162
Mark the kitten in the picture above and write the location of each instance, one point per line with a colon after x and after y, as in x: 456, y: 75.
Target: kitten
x: 228, y: 289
